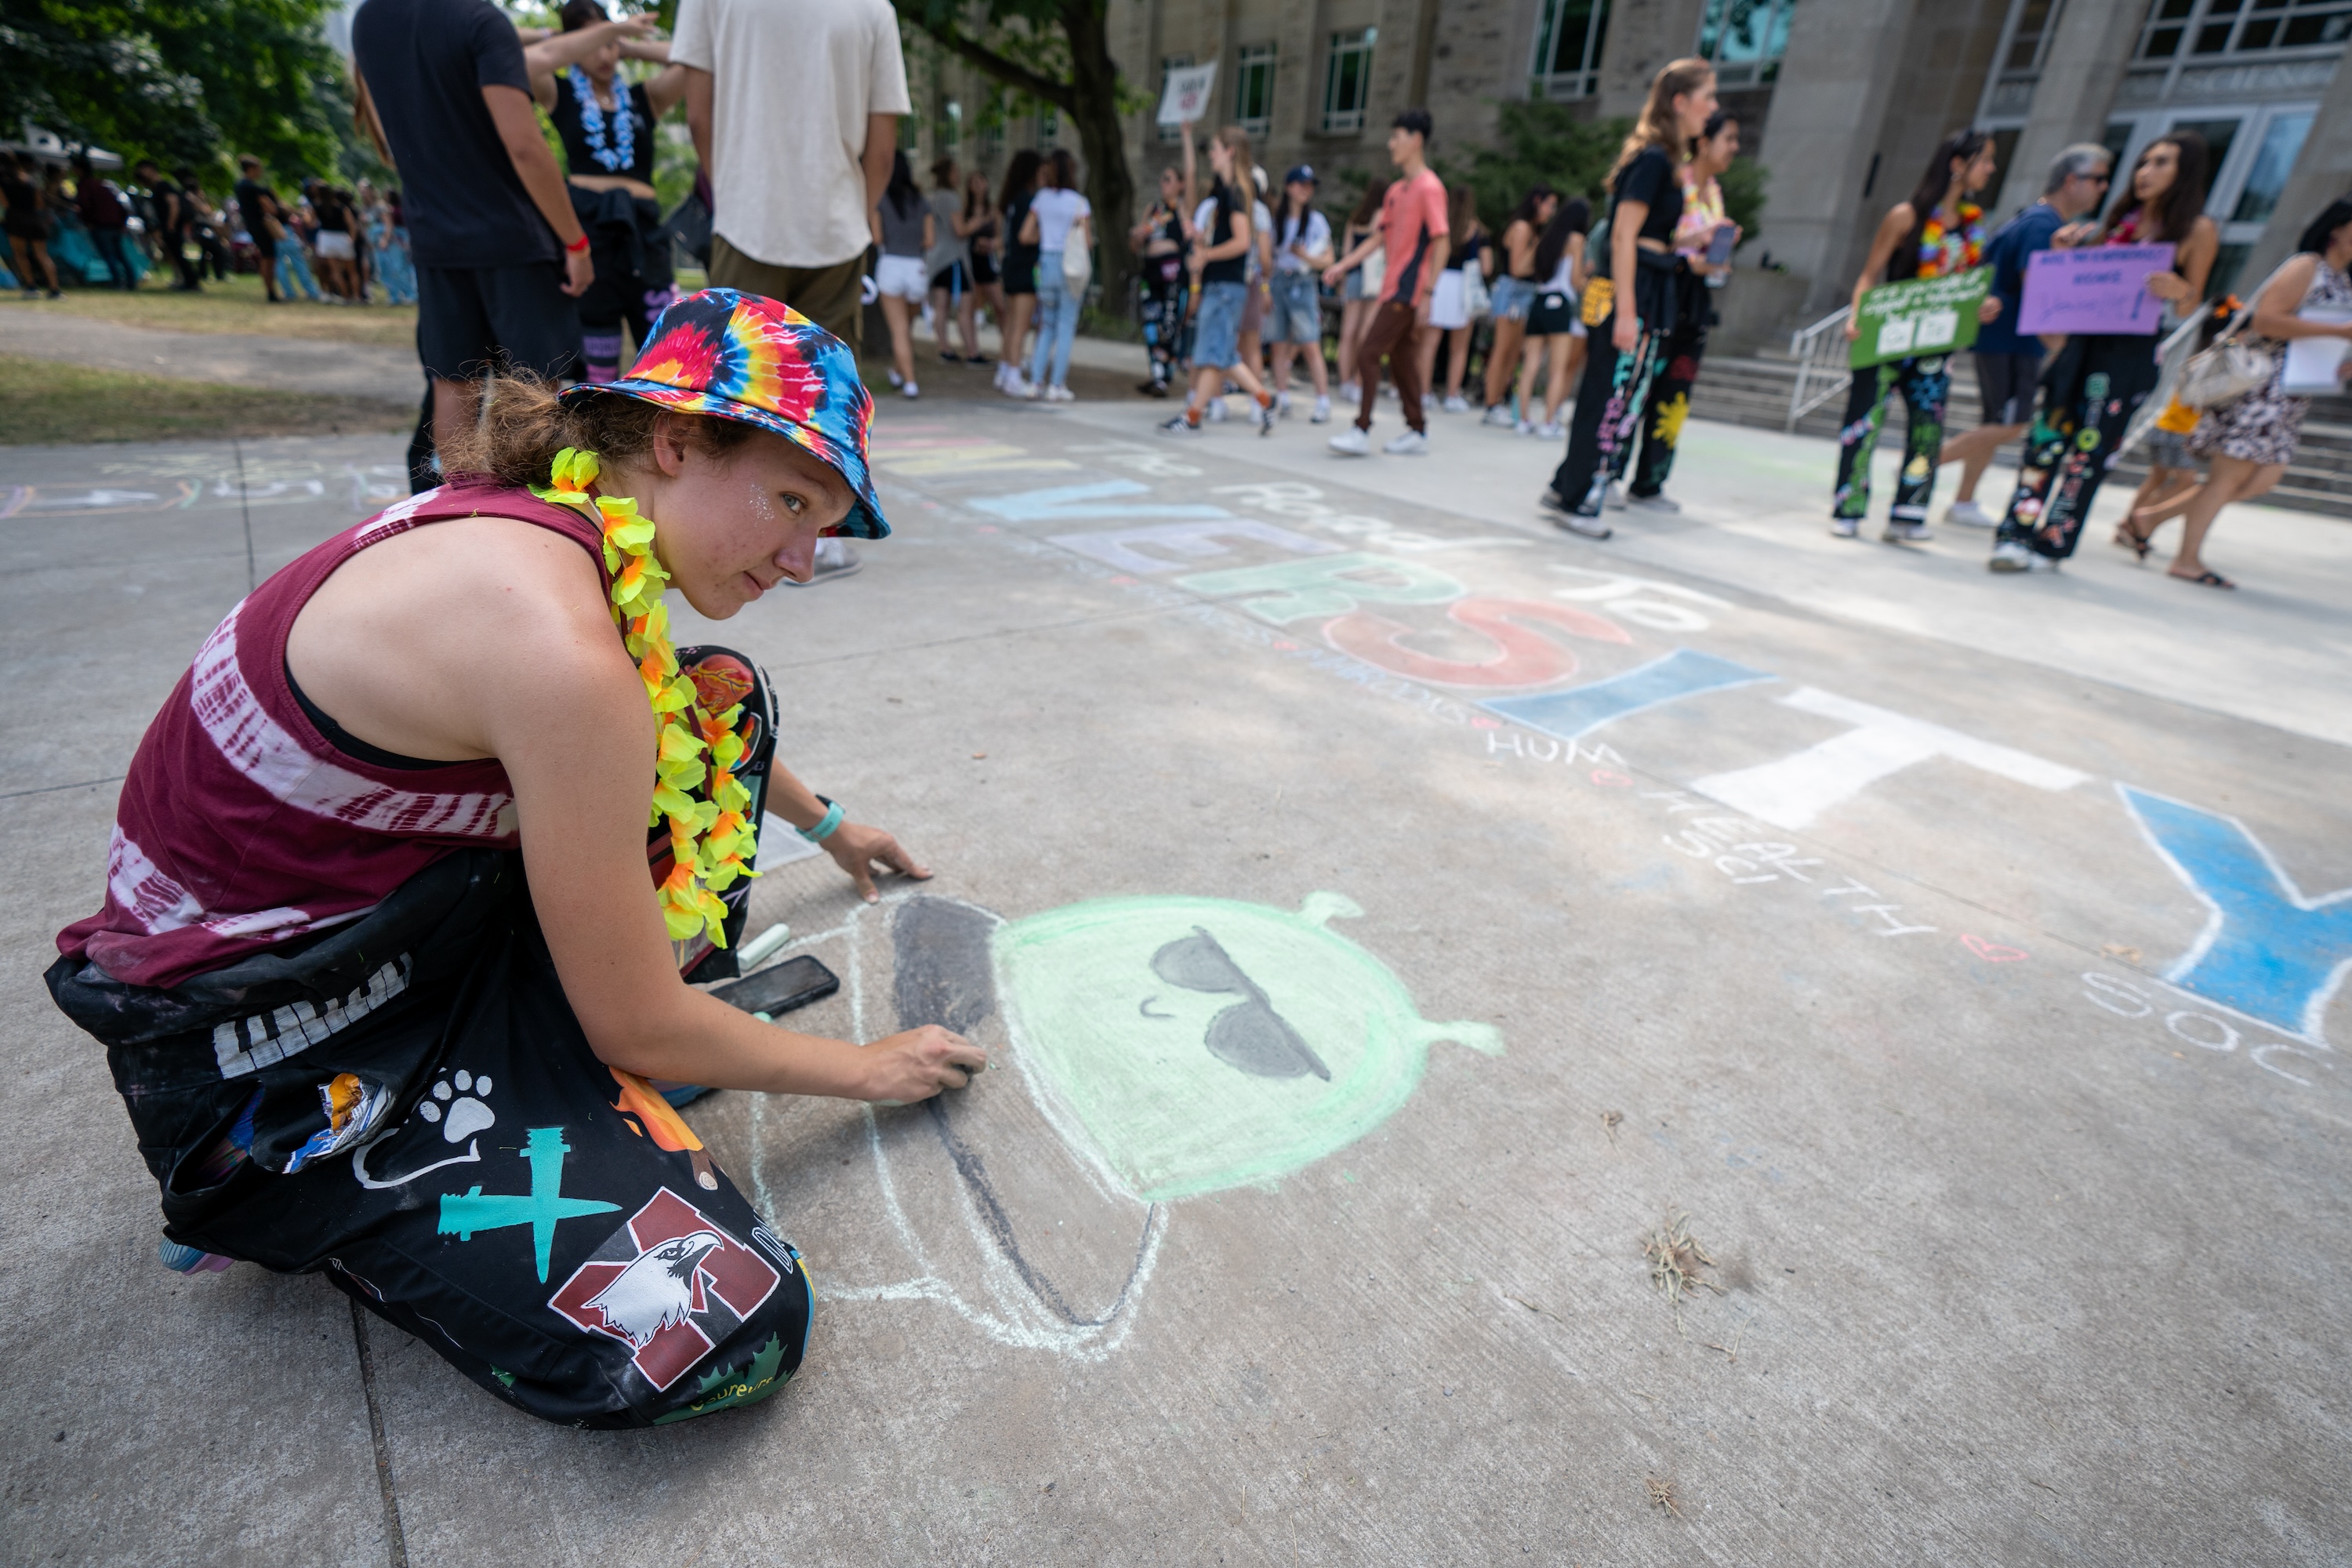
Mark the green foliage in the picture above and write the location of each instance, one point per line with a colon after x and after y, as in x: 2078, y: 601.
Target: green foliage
x: 184, y: 81
x: 1743, y: 195
x: 1539, y: 141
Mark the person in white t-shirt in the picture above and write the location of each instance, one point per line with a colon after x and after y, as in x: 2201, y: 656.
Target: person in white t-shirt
x: 1249, y: 329
x: 1059, y: 217
x: 793, y: 106
x: 1302, y: 249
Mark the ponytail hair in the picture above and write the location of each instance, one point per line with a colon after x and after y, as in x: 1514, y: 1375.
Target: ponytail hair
x: 525, y: 423
x: 1657, y: 126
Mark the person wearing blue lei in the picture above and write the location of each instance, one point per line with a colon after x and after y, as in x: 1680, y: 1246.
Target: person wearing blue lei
x: 606, y: 125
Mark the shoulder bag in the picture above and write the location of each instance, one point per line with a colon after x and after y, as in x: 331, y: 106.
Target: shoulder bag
x: 2226, y: 370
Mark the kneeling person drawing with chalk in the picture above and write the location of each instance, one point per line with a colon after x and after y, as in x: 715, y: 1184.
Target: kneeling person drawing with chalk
x: 380, y: 973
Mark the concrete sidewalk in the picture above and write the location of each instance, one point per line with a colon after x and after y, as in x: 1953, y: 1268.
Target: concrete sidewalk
x: 1876, y: 913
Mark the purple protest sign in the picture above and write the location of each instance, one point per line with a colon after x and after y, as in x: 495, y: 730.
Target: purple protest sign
x: 2099, y: 288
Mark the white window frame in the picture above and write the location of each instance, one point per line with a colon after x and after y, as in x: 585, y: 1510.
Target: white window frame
x: 1543, y: 81
x: 1253, y: 63
x: 1348, y: 42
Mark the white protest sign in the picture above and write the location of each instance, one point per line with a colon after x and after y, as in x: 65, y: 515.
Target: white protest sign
x: 1186, y: 97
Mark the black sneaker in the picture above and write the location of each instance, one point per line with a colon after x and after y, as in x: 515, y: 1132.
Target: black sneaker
x: 1152, y: 388
x: 1576, y: 519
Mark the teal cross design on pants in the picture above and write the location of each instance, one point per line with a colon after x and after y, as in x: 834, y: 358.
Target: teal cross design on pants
x: 462, y: 1215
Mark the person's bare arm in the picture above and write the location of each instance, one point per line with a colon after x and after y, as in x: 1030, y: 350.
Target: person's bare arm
x: 512, y: 112
x: 559, y: 52
x: 666, y: 86
x: 2275, y: 308
x: 1625, y: 221
x: 576, y: 740
x: 881, y: 144
x: 1338, y: 270
x: 368, y: 118
x: 2193, y: 266
x: 697, y: 120
x: 1891, y: 230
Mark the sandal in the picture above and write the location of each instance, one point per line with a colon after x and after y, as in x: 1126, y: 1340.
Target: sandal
x: 2131, y: 538
x: 2203, y: 579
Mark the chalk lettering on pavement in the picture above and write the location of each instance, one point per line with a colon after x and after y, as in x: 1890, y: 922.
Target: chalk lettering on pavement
x: 1794, y: 791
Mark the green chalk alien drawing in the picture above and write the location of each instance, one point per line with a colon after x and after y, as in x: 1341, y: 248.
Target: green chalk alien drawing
x: 1198, y: 1044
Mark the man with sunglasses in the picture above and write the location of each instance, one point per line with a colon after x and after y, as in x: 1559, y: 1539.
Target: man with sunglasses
x: 2009, y: 363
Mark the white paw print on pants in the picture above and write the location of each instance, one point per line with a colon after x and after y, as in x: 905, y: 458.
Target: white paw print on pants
x: 465, y: 1115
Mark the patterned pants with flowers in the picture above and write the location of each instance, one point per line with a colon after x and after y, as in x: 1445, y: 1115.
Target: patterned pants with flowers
x: 1606, y: 426
x: 1667, y: 407
x: 2094, y: 389
x: 1926, y: 386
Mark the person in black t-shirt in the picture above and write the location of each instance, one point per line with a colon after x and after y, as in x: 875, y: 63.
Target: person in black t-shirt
x: 175, y: 222
x: 607, y: 126
x: 499, y: 255
x: 28, y: 224
x: 1630, y: 304
x: 265, y: 220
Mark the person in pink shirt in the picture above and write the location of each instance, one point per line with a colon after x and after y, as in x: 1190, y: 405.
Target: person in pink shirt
x: 1415, y: 234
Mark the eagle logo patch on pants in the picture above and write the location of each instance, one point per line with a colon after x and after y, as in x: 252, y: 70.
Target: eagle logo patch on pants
x: 670, y: 1284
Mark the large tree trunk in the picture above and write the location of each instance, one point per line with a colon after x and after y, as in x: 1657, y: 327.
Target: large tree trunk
x: 1093, y: 108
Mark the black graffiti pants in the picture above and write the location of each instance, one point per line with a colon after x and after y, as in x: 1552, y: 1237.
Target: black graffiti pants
x: 1163, y: 325
x: 1926, y: 386
x: 1667, y: 406
x: 2091, y: 392
x: 1602, y: 433
x: 407, y: 1105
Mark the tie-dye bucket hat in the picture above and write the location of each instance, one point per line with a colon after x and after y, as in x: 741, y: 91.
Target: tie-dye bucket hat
x: 728, y: 355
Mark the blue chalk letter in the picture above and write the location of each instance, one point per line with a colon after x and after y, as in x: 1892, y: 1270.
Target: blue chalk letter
x: 2267, y: 951
x: 1581, y: 709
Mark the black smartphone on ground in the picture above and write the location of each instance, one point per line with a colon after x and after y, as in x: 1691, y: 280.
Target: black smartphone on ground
x: 781, y: 988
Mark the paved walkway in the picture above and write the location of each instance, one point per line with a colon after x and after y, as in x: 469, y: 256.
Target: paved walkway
x: 241, y: 358
x: 1968, y: 985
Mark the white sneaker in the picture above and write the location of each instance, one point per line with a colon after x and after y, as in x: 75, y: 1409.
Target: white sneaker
x: 1282, y: 405
x: 1615, y: 499
x: 1456, y: 403
x: 1060, y: 395
x: 1216, y: 410
x: 1846, y: 527
x: 2011, y: 555
x: 1968, y: 514
x: 1901, y: 532
x: 1322, y: 415
x: 895, y: 379
x: 1411, y: 444
x: 1179, y: 425
x: 1500, y: 415
x: 1659, y: 502
x: 1526, y: 427
x: 1352, y: 442
x: 1014, y: 385
x: 1350, y: 392
x: 908, y: 389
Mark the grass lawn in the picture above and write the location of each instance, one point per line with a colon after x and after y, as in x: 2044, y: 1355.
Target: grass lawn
x: 43, y: 402
x: 235, y: 306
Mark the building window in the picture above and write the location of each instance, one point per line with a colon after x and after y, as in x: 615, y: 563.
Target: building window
x: 2272, y: 163
x: 952, y: 140
x: 1348, y: 80
x: 1745, y: 39
x: 2036, y: 21
x: 1254, y: 88
x: 2177, y: 29
x: 1169, y: 65
x: 1569, y: 34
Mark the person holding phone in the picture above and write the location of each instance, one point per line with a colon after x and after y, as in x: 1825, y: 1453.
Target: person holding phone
x: 1704, y: 241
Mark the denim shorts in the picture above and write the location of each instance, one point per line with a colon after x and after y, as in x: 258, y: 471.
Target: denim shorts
x: 1297, y: 315
x: 1512, y: 297
x: 1216, y: 330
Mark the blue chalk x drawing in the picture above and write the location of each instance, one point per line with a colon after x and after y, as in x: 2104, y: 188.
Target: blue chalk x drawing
x: 2266, y: 951
x: 464, y: 1213
x: 1581, y: 709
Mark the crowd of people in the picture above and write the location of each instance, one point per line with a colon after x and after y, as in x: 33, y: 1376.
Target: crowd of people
x: 69, y: 223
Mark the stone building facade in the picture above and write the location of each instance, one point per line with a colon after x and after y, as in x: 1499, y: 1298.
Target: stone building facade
x: 1842, y: 101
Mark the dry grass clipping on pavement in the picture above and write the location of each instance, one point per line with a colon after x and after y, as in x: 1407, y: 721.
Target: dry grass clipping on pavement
x: 1677, y: 1258
x: 1661, y: 1494
x: 43, y: 402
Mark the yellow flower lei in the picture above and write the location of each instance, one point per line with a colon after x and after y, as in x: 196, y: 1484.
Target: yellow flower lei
x: 712, y: 843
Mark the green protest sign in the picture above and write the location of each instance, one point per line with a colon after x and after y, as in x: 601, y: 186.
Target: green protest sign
x: 1919, y: 316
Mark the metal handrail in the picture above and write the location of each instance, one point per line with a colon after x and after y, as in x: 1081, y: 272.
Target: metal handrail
x: 1821, y: 357
x: 2175, y: 353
